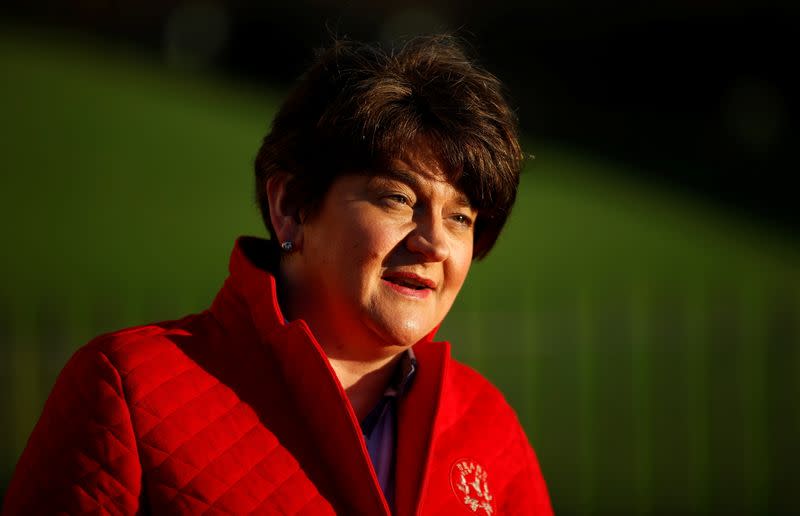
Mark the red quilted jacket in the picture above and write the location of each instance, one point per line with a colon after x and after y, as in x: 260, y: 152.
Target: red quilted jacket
x: 233, y: 411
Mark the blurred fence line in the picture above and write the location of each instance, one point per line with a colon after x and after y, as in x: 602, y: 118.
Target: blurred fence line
x: 642, y: 403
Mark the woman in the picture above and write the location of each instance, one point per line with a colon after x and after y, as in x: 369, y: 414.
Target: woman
x: 312, y: 385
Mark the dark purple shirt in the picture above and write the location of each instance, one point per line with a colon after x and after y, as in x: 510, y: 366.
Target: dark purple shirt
x: 380, y: 425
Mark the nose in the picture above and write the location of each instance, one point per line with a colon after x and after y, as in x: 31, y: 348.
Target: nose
x: 429, y: 240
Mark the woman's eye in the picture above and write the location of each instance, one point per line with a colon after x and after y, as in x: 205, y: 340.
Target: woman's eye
x: 398, y: 198
x: 463, y: 219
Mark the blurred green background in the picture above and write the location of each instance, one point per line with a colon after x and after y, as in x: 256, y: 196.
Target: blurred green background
x: 649, y: 341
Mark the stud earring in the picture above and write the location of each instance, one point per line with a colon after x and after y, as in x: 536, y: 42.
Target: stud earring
x: 288, y: 246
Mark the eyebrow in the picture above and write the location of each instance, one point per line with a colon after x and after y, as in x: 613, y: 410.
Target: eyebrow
x: 412, y: 179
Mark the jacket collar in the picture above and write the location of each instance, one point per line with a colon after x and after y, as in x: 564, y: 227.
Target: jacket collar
x: 250, y: 297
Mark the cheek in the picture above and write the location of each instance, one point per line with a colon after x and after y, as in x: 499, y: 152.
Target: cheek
x: 458, y: 270
x: 458, y: 276
x: 366, y: 252
x: 376, y: 239
x: 461, y: 259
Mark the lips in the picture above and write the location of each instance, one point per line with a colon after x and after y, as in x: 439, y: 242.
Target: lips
x: 408, y: 284
x: 409, y: 280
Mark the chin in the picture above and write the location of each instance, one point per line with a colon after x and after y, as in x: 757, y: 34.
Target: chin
x: 401, y: 333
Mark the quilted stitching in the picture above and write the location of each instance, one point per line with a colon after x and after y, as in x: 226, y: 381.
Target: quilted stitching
x: 145, y: 342
x: 207, y: 469
x: 94, y: 503
x: 309, y: 508
x: 78, y: 456
x: 231, y: 464
x: 183, y: 458
x: 194, y: 504
x: 104, y: 458
x: 276, y: 501
x: 142, y: 395
x: 96, y: 477
x: 170, y: 423
x: 244, y: 477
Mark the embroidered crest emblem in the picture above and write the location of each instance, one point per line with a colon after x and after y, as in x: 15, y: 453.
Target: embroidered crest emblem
x: 468, y: 480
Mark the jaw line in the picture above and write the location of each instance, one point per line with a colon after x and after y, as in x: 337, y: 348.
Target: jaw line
x: 408, y: 324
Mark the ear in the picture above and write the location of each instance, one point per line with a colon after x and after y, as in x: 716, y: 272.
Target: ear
x: 282, y: 213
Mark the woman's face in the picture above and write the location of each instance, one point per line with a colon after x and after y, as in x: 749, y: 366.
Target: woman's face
x: 383, y: 259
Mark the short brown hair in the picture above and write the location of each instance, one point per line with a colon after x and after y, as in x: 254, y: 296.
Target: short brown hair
x: 360, y: 105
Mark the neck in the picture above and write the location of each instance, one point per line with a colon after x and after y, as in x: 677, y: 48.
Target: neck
x: 364, y: 383
x: 362, y: 363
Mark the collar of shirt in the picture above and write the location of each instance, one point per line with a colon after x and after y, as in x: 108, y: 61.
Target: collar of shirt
x: 379, y: 427
x: 401, y: 381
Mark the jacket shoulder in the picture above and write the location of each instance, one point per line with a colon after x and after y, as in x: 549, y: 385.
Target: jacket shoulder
x: 148, y: 357
x: 130, y: 348
x: 134, y: 338
x: 82, y: 455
